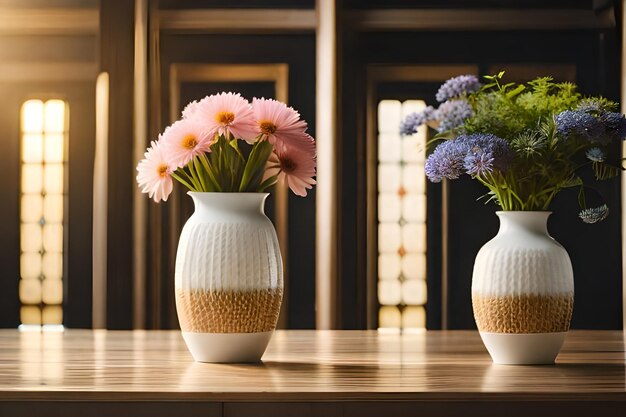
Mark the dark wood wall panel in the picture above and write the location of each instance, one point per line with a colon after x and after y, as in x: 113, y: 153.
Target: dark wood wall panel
x: 50, y: 48
x: 237, y: 4
x: 9, y: 208
x: 474, y: 4
x: 78, y: 290
x: 117, y: 58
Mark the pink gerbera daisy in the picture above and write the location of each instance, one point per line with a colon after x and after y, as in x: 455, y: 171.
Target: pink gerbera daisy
x: 281, y: 125
x: 226, y: 114
x: 294, y: 165
x: 184, y: 140
x: 154, y: 174
x: 190, y: 109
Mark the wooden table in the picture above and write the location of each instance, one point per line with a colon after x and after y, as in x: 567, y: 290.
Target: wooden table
x: 304, y: 373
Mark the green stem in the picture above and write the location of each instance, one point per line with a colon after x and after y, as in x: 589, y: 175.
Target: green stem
x: 183, y: 181
x: 194, y: 177
x: 200, y: 174
x: 209, y: 171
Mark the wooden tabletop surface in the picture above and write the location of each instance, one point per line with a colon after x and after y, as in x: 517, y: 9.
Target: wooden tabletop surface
x: 302, y: 365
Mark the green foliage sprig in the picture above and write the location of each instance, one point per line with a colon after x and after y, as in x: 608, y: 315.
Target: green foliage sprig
x: 545, y: 162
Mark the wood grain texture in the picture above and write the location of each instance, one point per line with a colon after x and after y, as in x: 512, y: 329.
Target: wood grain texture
x: 302, y: 366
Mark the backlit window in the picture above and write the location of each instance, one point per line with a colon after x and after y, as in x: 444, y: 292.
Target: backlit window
x: 44, y: 129
x: 401, y: 219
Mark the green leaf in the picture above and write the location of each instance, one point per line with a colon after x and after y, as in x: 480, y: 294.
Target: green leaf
x: 581, y: 197
x: 516, y: 91
x: 209, y: 171
x: 603, y: 171
x: 200, y: 174
x: 180, y: 179
x: 268, y: 183
x: 573, y: 181
x: 255, y: 166
x: 233, y: 143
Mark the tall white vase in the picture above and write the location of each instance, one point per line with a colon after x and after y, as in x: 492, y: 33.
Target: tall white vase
x: 523, y: 291
x: 229, y: 278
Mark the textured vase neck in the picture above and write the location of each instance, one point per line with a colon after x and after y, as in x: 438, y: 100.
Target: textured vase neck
x: 228, y: 203
x: 528, y: 221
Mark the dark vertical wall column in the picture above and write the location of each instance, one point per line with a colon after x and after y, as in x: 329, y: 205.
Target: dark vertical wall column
x: 9, y: 209
x: 116, y: 58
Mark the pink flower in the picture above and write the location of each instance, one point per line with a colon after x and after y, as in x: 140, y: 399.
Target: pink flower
x: 184, y: 140
x: 294, y: 165
x: 190, y: 109
x: 281, y: 125
x: 154, y: 174
x: 225, y: 114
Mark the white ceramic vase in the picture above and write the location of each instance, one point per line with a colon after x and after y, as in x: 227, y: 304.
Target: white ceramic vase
x: 523, y: 291
x: 229, y: 278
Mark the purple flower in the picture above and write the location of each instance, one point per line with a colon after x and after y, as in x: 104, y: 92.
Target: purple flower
x: 497, y: 147
x: 578, y: 123
x: 457, y: 86
x: 446, y: 161
x: 595, y: 214
x: 478, y: 163
x: 591, y: 124
x: 475, y: 154
x: 414, y: 120
x: 452, y: 114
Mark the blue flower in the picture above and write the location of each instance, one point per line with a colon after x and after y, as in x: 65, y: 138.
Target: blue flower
x: 497, y: 147
x: 578, y: 123
x: 452, y: 114
x: 595, y: 214
x: 475, y: 154
x: 595, y: 154
x: 457, y: 86
x: 446, y: 161
x: 614, y: 127
x: 414, y: 120
x: 591, y: 123
x: 478, y: 163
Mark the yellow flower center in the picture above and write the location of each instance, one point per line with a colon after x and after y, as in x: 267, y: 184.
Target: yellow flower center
x: 162, y: 170
x: 287, y: 165
x: 189, y: 141
x: 225, y: 117
x: 267, y: 127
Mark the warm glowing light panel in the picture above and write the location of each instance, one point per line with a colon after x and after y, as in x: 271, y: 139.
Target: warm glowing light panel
x: 44, y: 129
x: 401, y: 219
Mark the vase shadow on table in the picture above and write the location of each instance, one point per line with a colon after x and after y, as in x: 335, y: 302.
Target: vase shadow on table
x: 345, y: 377
x: 278, y: 376
x: 556, y: 378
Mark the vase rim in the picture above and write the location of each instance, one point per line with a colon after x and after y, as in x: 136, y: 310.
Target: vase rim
x: 225, y: 193
x: 524, y: 211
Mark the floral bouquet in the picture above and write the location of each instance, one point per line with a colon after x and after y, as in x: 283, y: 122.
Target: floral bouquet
x: 225, y: 144
x: 524, y: 142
